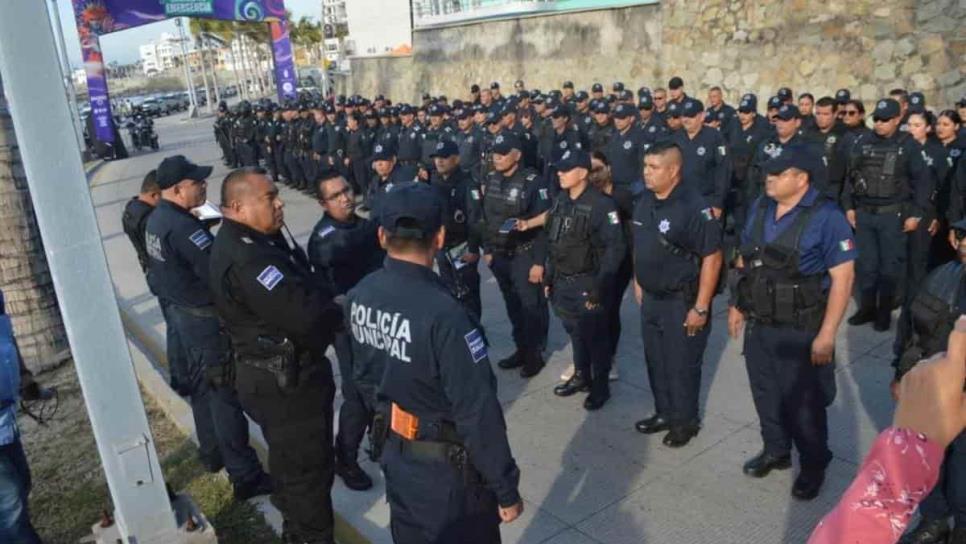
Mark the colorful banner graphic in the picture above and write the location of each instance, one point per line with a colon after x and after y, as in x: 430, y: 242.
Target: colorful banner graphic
x: 286, y: 76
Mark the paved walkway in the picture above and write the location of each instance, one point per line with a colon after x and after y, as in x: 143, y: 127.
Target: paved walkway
x: 586, y: 477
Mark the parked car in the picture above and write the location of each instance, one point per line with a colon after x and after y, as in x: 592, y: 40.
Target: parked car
x: 170, y: 103
x: 152, y: 107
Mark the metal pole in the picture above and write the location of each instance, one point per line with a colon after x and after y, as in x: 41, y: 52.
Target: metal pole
x: 72, y: 243
x: 68, y: 76
x: 187, y: 69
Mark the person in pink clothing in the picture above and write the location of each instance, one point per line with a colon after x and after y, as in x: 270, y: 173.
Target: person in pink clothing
x: 903, y: 464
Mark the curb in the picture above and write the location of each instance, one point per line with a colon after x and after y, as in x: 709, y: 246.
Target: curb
x: 178, y: 410
x: 91, y: 167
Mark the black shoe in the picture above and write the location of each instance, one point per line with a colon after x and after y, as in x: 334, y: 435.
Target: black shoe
x: 261, y: 485
x: 353, y: 476
x: 929, y: 531
x: 760, y: 465
x: 808, y: 484
x: 596, y: 400
x: 532, y: 365
x: 958, y: 536
x: 651, y: 425
x: 212, y: 466
x: 679, y: 436
x: 883, y: 317
x: 576, y: 384
x: 867, y: 310
x: 513, y: 361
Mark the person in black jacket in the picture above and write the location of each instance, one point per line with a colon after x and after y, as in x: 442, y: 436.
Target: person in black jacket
x: 136, y: 212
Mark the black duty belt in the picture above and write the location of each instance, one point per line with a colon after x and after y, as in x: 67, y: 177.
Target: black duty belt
x: 443, y: 452
x: 880, y: 210
x: 664, y: 294
x: 572, y: 278
x: 510, y: 252
x: 275, y: 363
x: 198, y: 311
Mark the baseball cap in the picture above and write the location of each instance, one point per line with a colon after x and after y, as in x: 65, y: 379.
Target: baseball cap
x: 406, y: 109
x: 383, y: 152
x: 474, y: 88
x: 691, y: 107
x: 445, y: 148
x: 748, y: 104
x: 506, y: 142
x: 774, y: 103
x: 573, y: 158
x: 674, y: 109
x: 567, y: 85
x: 784, y: 94
x: 416, y: 205
x: 645, y: 102
x: 793, y: 156
x: 617, y: 87
x: 675, y: 83
x: 622, y: 111
x: 788, y: 112
x: 596, y: 88
x: 885, y: 109
x: 560, y: 111
x: 842, y: 96
x: 644, y: 91
x: 917, y: 102
x: 582, y: 95
x: 600, y: 106
x: 495, y: 85
x: 174, y: 169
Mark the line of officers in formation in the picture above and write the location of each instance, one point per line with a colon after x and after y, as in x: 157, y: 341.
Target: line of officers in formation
x: 568, y: 198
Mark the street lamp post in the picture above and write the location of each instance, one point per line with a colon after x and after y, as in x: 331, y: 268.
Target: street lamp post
x: 65, y: 71
x: 187, y: 69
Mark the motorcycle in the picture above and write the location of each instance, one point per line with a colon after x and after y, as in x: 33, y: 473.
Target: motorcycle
x: 142, y: 134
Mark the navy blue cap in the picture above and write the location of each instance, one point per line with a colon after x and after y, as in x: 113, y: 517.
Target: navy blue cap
x: 173, y: 170
x: 622, y: 111
x: 560, y: 111
x: 793, y: 156
x: 842, y: 96
x: 445, y: 148
x: 691, y: 107
x: 626, y: 95
x: 600, y: 106
x: 406, y: 109
x: 710, y: 116
x: 573, y: 158
x: 645, y: 102
x: 788, y: 112
x: 506, y: 142
x: 617, y: 87
x: 383, y: 151
x: 959, y: 225
x: 582, y: 95
x: 596, y: 88
x: 774, y: 103
x: 495, y: 85
x: 464, y: 113
x: 674, y: 109
x: 887, y: 108
x: 492, y: 117
x: 748, y: 104
x: 436, y: 109
x: 474, y: 88
x: 917, y: 102
x: 416, y: 204
x: 538, y: 99
x: 784, y: 94
x: 644, y: 91
x: 567, y: 85
x: 328, y: 108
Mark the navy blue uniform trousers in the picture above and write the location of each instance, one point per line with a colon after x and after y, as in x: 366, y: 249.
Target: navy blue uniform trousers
x: 525, y: 304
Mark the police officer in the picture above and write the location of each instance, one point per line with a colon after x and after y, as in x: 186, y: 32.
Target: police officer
x: 585, y: 249
x: 387, y: 172
x: 293, y: 147
x: 724, y: 113
x: 306, y: 132
x: 178, y: 246
x: 677, y: 260
x: 935, y: 308
x: 750, y: 130
x: 134, y: 220
x: 462, y: 212
x: 829, y: 135
x: 222, y: 128
x: 469, y: 139
x: 787, y: 131
x: 358, y: 149
x: 793, y: 283
x: 651, y: 124
x: 707, y: 164
x: 245, y: 136
x: 563, y: 137
x: 343, y: 248
x: 265, y: 134
x: 625, y: 149
x: 281, y: 323
x: 409, y: 144
x: 434, y: 133
x: 512, y: 196
x: 450, y: 476
x: 885, y: 198
x: 603, y: 129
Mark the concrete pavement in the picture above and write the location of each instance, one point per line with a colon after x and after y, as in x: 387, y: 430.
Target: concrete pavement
x: 586, y: 477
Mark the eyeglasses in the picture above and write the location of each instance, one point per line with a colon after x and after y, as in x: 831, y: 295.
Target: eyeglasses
x: 347, y: 193
x: 851, y: 112
x: 658, y: 98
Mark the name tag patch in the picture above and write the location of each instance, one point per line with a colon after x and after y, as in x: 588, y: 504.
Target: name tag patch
x: 476, y: 344
x: 270, y: 277
x: 326, y: 231
x: 200, y: 238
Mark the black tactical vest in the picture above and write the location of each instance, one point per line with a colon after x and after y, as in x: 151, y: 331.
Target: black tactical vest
x: 879, y: 172
x: 934, y: 311
x: 569, y: 233
x: 504, y: 198
x: 771, y: 289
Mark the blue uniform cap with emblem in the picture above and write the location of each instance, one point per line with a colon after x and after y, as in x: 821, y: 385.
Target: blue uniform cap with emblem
x: 506, y: 142
x: 793, y: 156
x: 917, y: 102
x: 445, y: 148
x: 674, y: 109
x: 618, y: 87
x: 406, y: 109
x: 959, y: 225
x: 173, y: 170
x: 842, y: 96
x: 384, y: 151
x: 574, y: 158
x: 691, y: 107
x: 748, y: 104
x: 784, y: 94
x: 582, y: 95
x: 774, y: 103
x: 560, y: 111
x: 596, y: 88
x: 567, y: 85
x: 623, y: 111
x: 436, y: 110
x: 600, y: 106
x: 644, y: 91
x: 645, y: 102
x: 787, y: 112
x: 886, y: 109
x: 416, y: 205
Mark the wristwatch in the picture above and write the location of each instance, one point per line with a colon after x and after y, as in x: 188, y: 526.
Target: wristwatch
x: 703, y: 312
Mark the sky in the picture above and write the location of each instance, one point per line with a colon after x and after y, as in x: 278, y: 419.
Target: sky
x: 123, y: 46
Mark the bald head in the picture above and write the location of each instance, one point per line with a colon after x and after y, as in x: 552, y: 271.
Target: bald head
x: 250, y: 197
x: 238, y: 184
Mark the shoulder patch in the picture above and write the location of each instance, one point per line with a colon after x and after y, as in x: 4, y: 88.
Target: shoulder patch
x: 270, y: 277
x: 200, y: 239
x: 326, y: 231
x: 475, y: 194
x: 476, y: 345
x: 531, y: 177
x: 722, y: 150
x: 613, y: 218
x: 707, y: 214
x: 544, y: 194
x: 846, y: 245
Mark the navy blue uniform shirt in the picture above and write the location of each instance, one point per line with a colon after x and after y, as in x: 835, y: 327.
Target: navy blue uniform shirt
x: 178, y: 246
x: 343, y: 253
x: 707, y: 163
x: 625, y: 151
x: 686, y: 221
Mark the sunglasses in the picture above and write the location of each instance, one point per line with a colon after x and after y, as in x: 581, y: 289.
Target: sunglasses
x: 851, y: 112
x: 959, y: 234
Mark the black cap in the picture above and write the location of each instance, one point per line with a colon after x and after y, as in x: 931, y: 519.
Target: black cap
x: 560, y: 111
x: 675, y: 83
x: 793, y: 156
x: 418, y: 203
x: 748, y: 104
x: 842, y: 96
x: 674, y: 109
x: 436, y: 109
x: 474, y: 88
x: 581, y: 96
x: 622, y: 111
x: 626, y: 95
x: 788, y: 112
x: 464, y: 113
x: 959, y: 225
x: 774, y: 103
x: 567, y: 85
x: 785, y: 94
x: 645, y: 102
x: 406, y: 109
x: 506, y: 142
x: 495, y: 85
x: 885, y: 109
x: 173, y: 170
x: 596, y: 88
x: 644, y: 91
x: 691, y: 107
x: 445, y: 148
x: 600, y: 106
x: 617, y: 87
x: 538, y: 99
x: 383, y: 151
x: 917, y: 102
x: 573, y: 158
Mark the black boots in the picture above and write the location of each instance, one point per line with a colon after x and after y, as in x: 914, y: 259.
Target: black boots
x: 867, y: 310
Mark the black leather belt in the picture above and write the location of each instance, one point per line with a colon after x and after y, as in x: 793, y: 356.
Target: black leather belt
x: 880, y: 210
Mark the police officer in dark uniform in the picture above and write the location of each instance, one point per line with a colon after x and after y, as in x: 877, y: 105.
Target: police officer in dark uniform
x: 792, y: 285
x: 134, y: 220
x: 516, y: 254
x: 245, y: 136
x: 409, y: 144
x: 787, y: 132
x: 750, y: 130
x: 343, y: 248
x: 435, y: 132
x: 603, y: 129
x: 293, y: 147
x: 278, y: 143
x: 885, y: 197
x: 563, y: 137
x: 222, y: 127
x: 724, y: 113
x: 450, y: 476
x: 934, y: 310
x: 462, y: 212
x: 469, y: 140
x: 306, y: 131
x: 677, y: 261
x: 707, y: 164
x: 281, y: 323
x: 358, y: 149
x: 264, y: 134
x: 178, y: 246
x: 387, y: 172
x: 651, y: 124
x: 625, y: 149
x: 585, y: 249
x: 830, y: 136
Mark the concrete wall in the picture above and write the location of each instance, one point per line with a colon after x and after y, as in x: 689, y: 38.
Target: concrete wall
x: 743, y: 45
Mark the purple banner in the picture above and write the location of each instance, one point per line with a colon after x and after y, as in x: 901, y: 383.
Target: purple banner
x: 96, y: 83
x: 106, y: 16
x: 286, y: 77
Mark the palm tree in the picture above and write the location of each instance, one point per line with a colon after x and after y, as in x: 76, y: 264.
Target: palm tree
x: 308, y: 34
x: 24, y: 276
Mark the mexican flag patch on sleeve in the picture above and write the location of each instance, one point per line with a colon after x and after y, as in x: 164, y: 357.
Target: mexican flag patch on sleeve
x: 847, y: 245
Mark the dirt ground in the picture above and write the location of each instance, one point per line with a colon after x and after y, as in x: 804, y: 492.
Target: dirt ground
x: 69, y: 490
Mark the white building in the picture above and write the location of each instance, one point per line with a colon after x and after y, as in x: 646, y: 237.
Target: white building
x: 160, y: 55
x: 334, y: 13
x: 377, y: 27
x: 79, y: 76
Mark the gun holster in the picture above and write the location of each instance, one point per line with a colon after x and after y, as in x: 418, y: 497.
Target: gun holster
x: 378, y: 431
x: 279, y: 358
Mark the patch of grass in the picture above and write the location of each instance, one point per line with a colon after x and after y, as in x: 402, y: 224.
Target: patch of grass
x: 69, y: 490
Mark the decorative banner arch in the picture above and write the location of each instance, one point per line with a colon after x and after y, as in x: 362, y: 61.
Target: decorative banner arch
x: 96, y: 18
